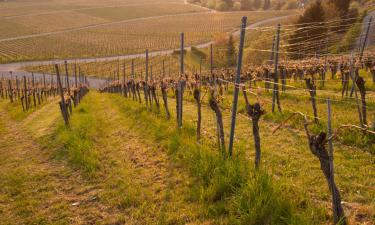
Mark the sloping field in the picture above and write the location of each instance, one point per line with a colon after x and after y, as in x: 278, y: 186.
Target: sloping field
x: 128, y: 37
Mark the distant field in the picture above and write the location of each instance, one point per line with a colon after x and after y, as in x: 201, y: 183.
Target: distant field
x: 128, y: 37
x: 67, y: 18
x: 13, y: 8
x: 140, y: 11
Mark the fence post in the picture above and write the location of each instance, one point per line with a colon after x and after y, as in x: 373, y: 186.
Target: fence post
x: 365, y: 41
x: 211, y: 60
x: 33, y: 83
x: 124, y: 86
x: 62, y: 103
x: 146, y: 80
x: 275, y: 96
x: 133, y: 69
x: 353, y: 77
x: 75, y: 75
x: 362, y: 48
x: 67, y: 76
x: 10, y: 90
x: 18, y: 88
x: 163, y: 69
x: 25, y: 95
x: 182, y: 69
x: 237, y: 81
x: 267, y: 78
x: 338, y: 212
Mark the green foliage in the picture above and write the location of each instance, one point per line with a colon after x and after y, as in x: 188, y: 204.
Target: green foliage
x: 359, y: 139
x: 261, y: 202
x: 313, y: 14
x: 348, y: 41
x: 341, y: 5
x: 198, y: 54
x: 231, y: 52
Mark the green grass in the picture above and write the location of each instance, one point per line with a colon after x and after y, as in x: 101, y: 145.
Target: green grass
x: 78, y: 140
x: 109, y: 132
x: 222, y: 185
x: 285, y: 155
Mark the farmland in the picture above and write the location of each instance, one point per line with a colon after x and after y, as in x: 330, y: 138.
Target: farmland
x: 165, y: 112
x: 125, y: 37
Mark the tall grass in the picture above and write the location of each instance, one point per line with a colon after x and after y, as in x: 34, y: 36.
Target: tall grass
x: 77, y: 141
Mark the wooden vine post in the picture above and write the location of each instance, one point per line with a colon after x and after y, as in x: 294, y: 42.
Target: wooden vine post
x: 360, y: 82
x: 63, y: 108
x: 219, y: 123
x: 145, y: 88
x: 67, y: 77
x: 25, y: 93
x: 180, y: 85
x: 317, y: 145
x: 211, y: 61
x: 312, y: 89
x: 10, y: 92
x: 236, y: 88
x: 164, y: 87
x: 75, y: 75
x: 255, y: 112
x: 33, y: 90
x: 197, y: 97
x: 276, y: 96
x: 124, y: 86
x: 17, y: 87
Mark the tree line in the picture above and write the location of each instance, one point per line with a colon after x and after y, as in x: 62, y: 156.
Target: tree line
x: 341, y: 15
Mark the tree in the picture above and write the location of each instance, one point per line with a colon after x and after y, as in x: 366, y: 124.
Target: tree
x: 267, y: 4
x: 231, y: 51
x: 229, y: 3
x: 246, y: 5
x: 257, y: 4
x: 221, y: 6
x: 306, y: 39
x: 341, y: 5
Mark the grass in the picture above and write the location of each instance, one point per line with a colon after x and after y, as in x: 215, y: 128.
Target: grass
x: 139, y: 168
x: 222, y: 185
x: 78, y: 141
x: 286, y: 151
x: 15, y: 109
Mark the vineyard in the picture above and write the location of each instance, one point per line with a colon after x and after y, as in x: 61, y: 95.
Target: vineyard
x: 165, y: 112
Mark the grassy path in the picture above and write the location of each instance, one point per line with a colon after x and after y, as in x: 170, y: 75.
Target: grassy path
x: 158, y: 187
x: 35, y: 188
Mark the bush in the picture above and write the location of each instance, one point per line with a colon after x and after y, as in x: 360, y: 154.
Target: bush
x: 221, y: 6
